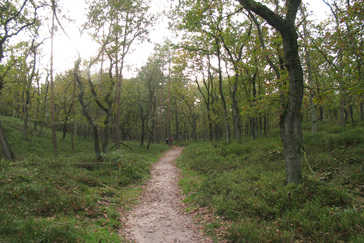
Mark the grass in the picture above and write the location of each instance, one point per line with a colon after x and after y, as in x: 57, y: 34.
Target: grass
x: 47, y: 198
x: 243, y: 187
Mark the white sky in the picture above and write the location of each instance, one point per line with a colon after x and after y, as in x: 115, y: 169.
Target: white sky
x: 65, y: 55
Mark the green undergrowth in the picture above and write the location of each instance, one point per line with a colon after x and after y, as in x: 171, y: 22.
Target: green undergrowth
x: 244, y: 186
x: 64, y: 198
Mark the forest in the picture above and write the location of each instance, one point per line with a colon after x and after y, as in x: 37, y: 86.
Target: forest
x: 237, y: 74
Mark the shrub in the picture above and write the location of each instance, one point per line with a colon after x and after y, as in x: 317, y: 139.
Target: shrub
x: 46, y: 198
x: 245, y: 184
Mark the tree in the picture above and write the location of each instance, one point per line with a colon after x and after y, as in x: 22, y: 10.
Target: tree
x: 291, y: 117
x: 234, y: 44
x: 150, y: 76
x: 14, y: 19
x: 125, y: 22
x: 65, y: 85
x: 84, y: 106
x: 25, y: 67
x: 346, y: 56
x: 188, y: 97
x: 203, y: 38
x: 199, y: 71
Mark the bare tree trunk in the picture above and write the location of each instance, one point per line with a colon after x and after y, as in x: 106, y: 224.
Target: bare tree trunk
x: 54, y: 136
x: 177, y: 138
x: 26, y: 118
x: 253, y: 120
x: 142, y: 137
x: 351, y: 112
x: 266, y: 124
x: 72, y: 142
x: 227, y: 127
x: 118, y: 105
x: 322, y: 115
x: 169, y: 104
x: 151, y: 133
x: 309, y: 76
x: 45, y: 105
x: 342, y: 91
x: 162, y: 121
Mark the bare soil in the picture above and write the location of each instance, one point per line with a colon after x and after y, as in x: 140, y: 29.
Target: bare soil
x: 160, y: 215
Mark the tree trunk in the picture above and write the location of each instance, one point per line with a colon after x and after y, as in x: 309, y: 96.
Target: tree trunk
x: 143, y: 118
x: 291, y: 118
x: 9, y: 155
x: 322, y: 115
x: 177, y: 138
x: 351, y: 114
x: 72, y: 141
x: 266, y: 124
x: 54, y: 136
x: 85, y: 110
x: 118, y: 108
x: 106, y: 134
x: 253, y: 128
x: 260, y: 125
x: 236, y: 120
x: 309, y: 77
x: 64, y: 130
x: 253, y: 120
x: 142, y: 133
x: 169, y: 105
x: 162, y: 120
x: 26, y: 118
x: 227, y: 127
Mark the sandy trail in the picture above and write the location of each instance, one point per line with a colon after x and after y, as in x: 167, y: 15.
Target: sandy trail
x: 159, y: 217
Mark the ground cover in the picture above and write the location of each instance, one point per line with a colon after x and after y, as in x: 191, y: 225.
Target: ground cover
x: 47, y: 198
x: 240, y: 188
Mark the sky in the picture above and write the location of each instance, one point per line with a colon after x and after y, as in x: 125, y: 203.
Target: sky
x: 65, y: 54
x: 64, y: 51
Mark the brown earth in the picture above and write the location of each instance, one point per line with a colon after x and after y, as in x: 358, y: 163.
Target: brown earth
x: 160, y: 215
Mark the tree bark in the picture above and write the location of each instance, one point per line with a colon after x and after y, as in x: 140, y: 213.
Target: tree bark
x: 9, y: 155
x: 177, y: 137
x: 169, y: 134
x: 227, y: 127
x: 291, y: 117
x: 351, y: 113
x: 54, y: 136
x: 107, y: 109
x: 85, y: 110
x: 342, y: 89
x: 309, y: 77
x: 208, y: 99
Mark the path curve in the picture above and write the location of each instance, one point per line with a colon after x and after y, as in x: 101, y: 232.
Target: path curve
x: 159, y: 217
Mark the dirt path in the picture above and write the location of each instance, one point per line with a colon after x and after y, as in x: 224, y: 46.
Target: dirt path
x: 159, y: 217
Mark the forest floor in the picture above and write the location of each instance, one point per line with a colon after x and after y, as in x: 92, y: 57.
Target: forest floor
x: 160, y: 216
